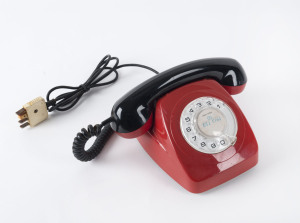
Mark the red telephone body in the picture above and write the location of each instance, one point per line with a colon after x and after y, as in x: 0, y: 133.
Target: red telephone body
x: 194, y: 170
x: 187, y: 121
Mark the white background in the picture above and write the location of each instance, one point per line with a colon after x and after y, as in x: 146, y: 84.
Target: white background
x: 48, y: 43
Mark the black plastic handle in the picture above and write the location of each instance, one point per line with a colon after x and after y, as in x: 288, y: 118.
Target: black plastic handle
x: 134, y: 109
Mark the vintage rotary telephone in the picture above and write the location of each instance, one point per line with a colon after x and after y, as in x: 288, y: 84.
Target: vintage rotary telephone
x: 185, y: 119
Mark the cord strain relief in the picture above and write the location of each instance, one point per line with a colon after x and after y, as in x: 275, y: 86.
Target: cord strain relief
x: 51, y: 103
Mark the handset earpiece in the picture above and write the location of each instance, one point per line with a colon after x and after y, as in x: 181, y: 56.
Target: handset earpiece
x: 132, y: 114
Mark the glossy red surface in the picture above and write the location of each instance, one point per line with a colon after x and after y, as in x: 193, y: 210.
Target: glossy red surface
x: 234, y: 90
x: 139, y: 131
x: 194, y: 170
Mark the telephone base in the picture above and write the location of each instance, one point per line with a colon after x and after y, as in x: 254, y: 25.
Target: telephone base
x: 194, y: 170
x: 172, y: 166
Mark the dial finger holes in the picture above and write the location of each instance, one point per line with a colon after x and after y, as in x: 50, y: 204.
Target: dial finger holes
x: 206, y: 123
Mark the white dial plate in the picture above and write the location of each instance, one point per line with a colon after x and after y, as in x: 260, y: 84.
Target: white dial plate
x: 208, y: 125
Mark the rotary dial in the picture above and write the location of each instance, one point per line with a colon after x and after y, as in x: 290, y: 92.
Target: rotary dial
x: 208, y: 125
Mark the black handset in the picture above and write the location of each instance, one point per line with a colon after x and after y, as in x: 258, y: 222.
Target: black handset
x: 134, y: 109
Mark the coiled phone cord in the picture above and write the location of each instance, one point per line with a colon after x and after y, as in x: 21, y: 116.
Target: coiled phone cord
x: 102, y: 132
x: 68, y: 100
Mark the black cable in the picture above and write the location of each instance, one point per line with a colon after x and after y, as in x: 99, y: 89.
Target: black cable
x: 66, y: 101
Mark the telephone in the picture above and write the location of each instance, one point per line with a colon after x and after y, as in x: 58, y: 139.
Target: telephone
x: 187, y: 121
x: 184, y: 118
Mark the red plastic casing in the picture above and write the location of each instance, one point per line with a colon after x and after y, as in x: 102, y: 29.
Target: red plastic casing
x: 194, y: 170
x: 139, y: 131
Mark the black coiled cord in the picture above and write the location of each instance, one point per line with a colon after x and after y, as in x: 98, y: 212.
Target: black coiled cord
x: 82, y: 137
x: 66, y: 101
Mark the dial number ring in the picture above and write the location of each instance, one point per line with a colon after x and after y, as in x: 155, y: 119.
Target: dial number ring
x: 208, y: 125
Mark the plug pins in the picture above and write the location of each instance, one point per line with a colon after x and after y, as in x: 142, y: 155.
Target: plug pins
x: 22, y: 114
x: 33, y: 113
